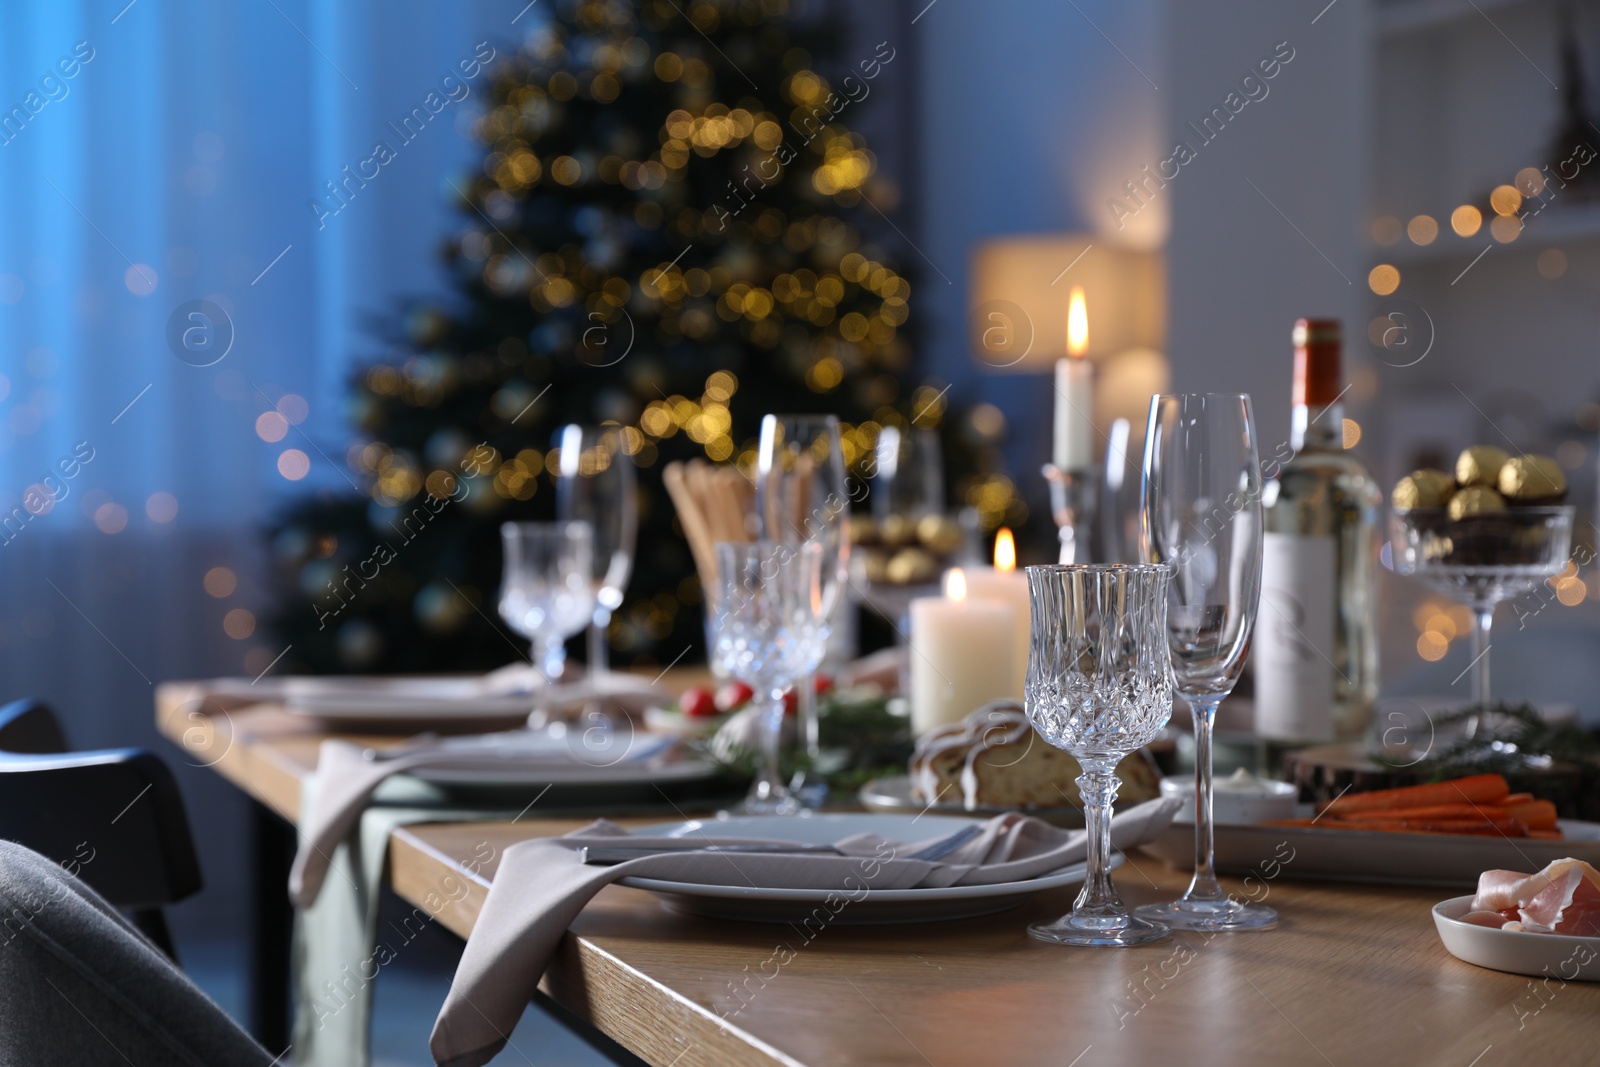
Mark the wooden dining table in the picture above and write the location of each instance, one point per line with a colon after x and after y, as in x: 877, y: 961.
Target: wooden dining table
x: 1353, y: 975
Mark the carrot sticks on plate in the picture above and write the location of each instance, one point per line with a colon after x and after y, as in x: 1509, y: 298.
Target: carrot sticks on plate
x: 1479, y: 804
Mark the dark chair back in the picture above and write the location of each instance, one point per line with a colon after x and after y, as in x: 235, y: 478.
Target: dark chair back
x: 113, y: 817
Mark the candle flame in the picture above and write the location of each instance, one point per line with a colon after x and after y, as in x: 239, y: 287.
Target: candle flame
x: 955, y: 584
x: 1005, y: 550
x: 1077, y: 324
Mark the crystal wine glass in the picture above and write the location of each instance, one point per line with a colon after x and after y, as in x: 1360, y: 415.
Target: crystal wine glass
x: 595, y: 484
x: 547, y: 587
x: 1482, y: 560
x: 765, y: 623
x: 801, y: 496
x: 1201, y: 505
x: 1099, y: 686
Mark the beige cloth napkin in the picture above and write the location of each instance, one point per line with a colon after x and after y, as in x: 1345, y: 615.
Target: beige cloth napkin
x: 542, y: 885
x: 348, y: 774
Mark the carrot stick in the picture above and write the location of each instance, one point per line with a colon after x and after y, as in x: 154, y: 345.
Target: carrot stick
x: 1518, y: 798
x: 1436, y: 811
x: 1535, y: 814
x: 1478, y: 788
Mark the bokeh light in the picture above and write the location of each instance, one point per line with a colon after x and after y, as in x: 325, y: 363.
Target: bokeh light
x: 161, y: 507
x: 140, y: 279
x: 1383, y: 279
x: 1505, y: 200
x: 1505, y: 228
x: 238, y: 624
x: 1552, y: 263
x: 1422, y: 230
x: 1466, y: 220
x: 1386, y: 230
x: 271, y: 426
x: 294, y: 464
x: 111, y: 518
x: 220, y: 582
x: 1432, y: 646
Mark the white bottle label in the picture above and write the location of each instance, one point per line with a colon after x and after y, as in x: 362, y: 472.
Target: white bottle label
x: 1294, y: 638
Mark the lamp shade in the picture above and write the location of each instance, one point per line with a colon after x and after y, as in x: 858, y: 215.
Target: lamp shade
x: 1021, y: 287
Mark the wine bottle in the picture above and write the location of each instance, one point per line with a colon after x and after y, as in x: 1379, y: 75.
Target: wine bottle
x: 1315, y: 653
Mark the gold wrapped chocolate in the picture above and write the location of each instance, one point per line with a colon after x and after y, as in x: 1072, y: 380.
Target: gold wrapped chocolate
x: 1475, y: 500
x: 1480, y: 465
x: 938, y: 534
x: 1532, y: 479
x: 1423, y: 489
x: 912, y: 566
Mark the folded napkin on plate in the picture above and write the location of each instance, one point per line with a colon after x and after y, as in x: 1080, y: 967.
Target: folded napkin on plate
x: 542, y: 885
x: 347, y: 775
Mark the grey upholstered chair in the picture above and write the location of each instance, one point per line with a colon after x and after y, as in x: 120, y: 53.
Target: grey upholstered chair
x: 80, y: 985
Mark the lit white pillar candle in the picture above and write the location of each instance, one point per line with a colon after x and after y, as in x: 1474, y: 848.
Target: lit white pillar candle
x: 1074, y: 425
x: 1005, y: 583
x: 961, y: 654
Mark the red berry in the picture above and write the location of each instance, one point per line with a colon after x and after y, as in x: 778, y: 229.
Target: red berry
x: 697, y: 703
x: 791, y: 701
x: 733, y: 695
x: 822, y: 684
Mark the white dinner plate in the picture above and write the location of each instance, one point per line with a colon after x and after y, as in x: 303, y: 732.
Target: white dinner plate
x: 382, y: 699
x: 1269, y: 852
x: 754, y: 904
x: 1558, y: 956
x: 567, y: 758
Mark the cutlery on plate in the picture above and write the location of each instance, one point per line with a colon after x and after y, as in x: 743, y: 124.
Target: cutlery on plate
x: 605, y: 855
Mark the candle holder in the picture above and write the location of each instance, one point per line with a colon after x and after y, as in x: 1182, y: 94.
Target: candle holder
x: 1074, y: 500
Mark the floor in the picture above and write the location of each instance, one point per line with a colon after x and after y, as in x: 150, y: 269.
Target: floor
x: 408, y: 993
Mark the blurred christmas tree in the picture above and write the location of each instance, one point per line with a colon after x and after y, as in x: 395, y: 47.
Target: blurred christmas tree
x: 658, y: 238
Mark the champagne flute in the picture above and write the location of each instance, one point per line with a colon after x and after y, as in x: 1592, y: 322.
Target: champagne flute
x: 801, y: 496
x: 1099, y: 686
x: 595, y: 484
x: 765, y: 624
x: 1201, y: 512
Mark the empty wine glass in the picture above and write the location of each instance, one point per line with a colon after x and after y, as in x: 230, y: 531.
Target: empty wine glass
x: 765, y: 624
x: 908, y: 479
x: 801, y: 495
x: 595, y: 484
x: 1201, y: 505
x: 547, y: 587
x: 1099, y: 686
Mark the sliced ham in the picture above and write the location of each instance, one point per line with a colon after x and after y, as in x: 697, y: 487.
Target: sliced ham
x: 1564, y: 898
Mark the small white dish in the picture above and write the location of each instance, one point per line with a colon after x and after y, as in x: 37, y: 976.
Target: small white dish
x: 1558, y: 956
x: 753, y: 904
x: 1263, y: 801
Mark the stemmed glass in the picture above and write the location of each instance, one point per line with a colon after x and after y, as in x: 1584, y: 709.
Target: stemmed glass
x: 1201, y: 506
x: 801, y: 496
x: 1482, y: 560
x: 547, y: 588
x: 1099, y: 686
x: 595, y: 484
x: 765, y: 624
x: 909, y: 479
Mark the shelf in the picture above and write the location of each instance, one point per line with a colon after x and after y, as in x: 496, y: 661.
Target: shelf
x: 1402, y: 17
x: 1553, y: 226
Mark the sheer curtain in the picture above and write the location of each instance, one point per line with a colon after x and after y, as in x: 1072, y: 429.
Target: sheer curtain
x: 161, y: 160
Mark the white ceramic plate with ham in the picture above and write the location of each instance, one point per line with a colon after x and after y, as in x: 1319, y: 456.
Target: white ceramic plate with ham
x: 1542, y: 955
